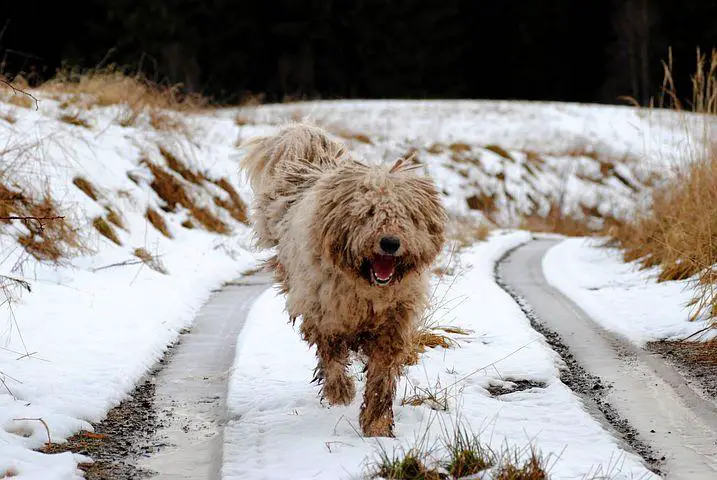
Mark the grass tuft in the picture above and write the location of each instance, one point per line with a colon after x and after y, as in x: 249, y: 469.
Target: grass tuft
x: 86, y: 187
x: 150, y: 260
x: 106, y: 230
x: 75, y: 119
x: 676, y: 232
x: 466, y: 455
x: 404, y: 466
x: 511, y: 468
x: 178, y: 166
x: 46, y: 234
x: 115, y: 218
x: 157, y: 221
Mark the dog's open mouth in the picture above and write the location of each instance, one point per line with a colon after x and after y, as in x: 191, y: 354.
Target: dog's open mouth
x: 382, y: 269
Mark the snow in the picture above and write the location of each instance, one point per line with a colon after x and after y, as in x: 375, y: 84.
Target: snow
x: 618, y: 295
x: 278, y: 429
x: 92, y: 327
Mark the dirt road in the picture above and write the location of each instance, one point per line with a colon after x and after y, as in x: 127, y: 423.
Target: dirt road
x: 638, y: 396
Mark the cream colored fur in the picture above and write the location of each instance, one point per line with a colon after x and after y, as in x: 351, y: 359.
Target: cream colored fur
x: 326, y: 213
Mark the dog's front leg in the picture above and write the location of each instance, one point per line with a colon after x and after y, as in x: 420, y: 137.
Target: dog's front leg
x: 384, y: 366
x: 338, y: 388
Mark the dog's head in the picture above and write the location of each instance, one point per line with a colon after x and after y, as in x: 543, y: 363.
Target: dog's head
x: 377, y: 223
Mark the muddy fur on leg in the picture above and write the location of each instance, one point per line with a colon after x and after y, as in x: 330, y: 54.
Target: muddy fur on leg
x: 354, y: 243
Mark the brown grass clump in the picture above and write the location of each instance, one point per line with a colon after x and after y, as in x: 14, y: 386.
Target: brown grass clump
x: 115, y: 218
x: 9, y: 117
x: 348, y: 135
x: 86, y: 187
x: 75, y: 119
x: 500, y: 151
x: 158, y: 222
x: 242, y: 119
x: 235, y: 205
x: 106, y: 230
x: 512, y: 469
x: 49, y: 237
x: 188, y: 224
x: 178, y: 166
x: 150, y: 260
x: 21, y: 100
x: 482, y: 201
x: 209, y: 221
x: 405, y: 466
x: 435, y: 148
x: 467, y: 456
x: 164, y: 122
x: 459, y: 147
x: 113, y: 86
x: 677, y: 232
x: 170, y: 189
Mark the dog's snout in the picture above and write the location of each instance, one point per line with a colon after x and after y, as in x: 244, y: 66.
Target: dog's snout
x: 390, y: 245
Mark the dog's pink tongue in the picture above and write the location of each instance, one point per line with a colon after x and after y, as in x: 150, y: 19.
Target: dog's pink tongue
x: 383, y: 266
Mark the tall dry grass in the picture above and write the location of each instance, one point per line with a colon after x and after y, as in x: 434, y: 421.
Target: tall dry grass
x: 677, y: 231
x: 114, y: 86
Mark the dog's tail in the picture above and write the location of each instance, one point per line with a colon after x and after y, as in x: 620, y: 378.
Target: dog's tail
x: 296, y: 152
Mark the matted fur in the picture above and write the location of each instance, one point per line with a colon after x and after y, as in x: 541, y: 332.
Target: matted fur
x: 326, y: 213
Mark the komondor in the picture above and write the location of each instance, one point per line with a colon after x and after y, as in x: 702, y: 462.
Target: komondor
x: 354, y: 244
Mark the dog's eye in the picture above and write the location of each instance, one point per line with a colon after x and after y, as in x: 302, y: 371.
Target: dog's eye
x: 371, y: 211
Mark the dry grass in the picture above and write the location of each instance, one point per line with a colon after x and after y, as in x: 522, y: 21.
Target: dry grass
x: 482, y: 201
x: 349, y: 135
x: 169, y: 187
x: 457, y: 147
x: 241, y: 119
x: 677, y: 233
x: 86, y: 187
x: 47, y: 235
x: 113, y: 86
x: 9, y: 117
x: 533, y: 468
x: 410, y: 465
x: 20, y: 100
x: 178, y: 166
x: 157, y: 221
x: 75, y: 119
x: 150, y: 260
x: 235, y: 205
x: 498, y: 150
x: 166, y: 122
x: 106, y: 230
x: 465, y: 457
x: 115, y: 218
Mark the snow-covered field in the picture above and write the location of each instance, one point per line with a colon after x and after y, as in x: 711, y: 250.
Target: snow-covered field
x: 74, y: 346
x: 279, y: 429
x: 621, y: 296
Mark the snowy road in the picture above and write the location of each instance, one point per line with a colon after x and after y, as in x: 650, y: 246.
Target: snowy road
x: 679, y: 425
x: 191, y: 389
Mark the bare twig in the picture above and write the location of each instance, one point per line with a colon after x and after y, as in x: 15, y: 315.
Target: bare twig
x: 44, y: 423
x: 125, y: 263
x: 23, y: 92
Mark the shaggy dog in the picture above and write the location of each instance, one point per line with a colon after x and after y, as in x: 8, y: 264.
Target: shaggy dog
x: 354, y: 243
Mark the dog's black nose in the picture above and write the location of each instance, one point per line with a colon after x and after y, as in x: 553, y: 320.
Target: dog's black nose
x: 390, y: 245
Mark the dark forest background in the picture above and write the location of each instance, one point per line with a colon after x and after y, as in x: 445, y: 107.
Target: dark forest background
x: 568, y: 50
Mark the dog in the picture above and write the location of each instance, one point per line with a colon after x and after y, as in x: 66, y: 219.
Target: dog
x: 354, y: 243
